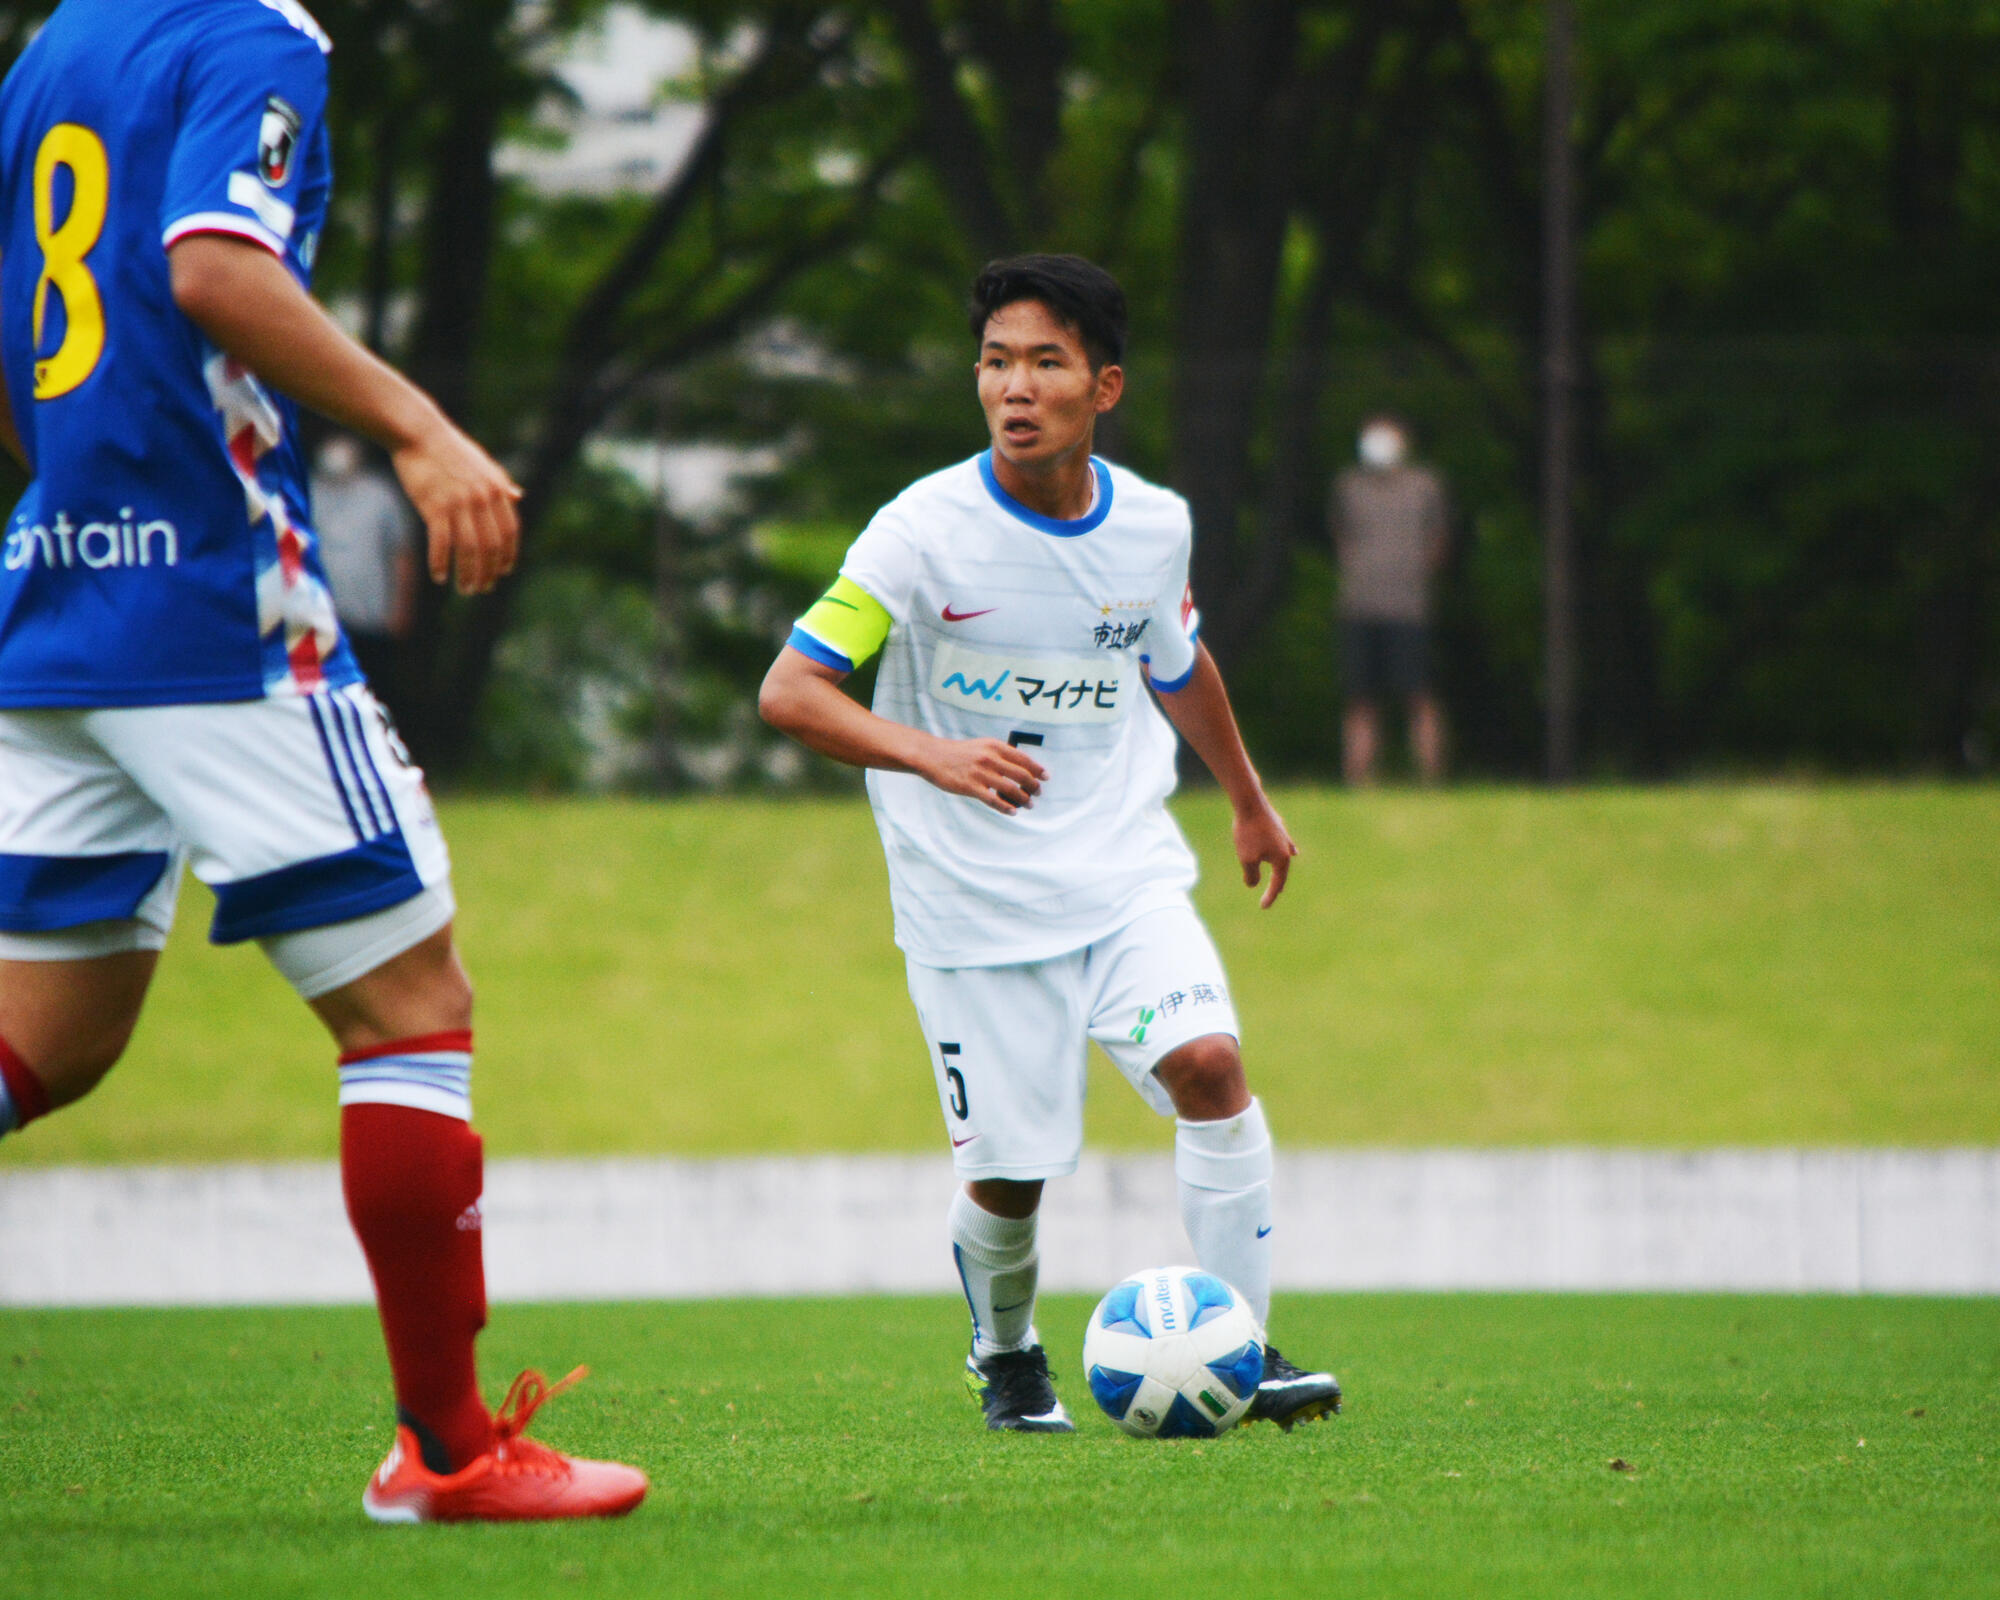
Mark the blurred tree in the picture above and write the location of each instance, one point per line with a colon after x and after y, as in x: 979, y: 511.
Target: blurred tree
x: 1788, y: 510
x: 646, y: 284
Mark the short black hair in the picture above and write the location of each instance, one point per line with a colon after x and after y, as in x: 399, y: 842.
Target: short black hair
x: 1080, y: 293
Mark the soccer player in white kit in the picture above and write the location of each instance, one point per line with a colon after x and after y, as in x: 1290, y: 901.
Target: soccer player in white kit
x: 1024, y: 601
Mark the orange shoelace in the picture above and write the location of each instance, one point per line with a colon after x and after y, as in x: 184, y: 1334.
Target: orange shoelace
x: 525, y: 1396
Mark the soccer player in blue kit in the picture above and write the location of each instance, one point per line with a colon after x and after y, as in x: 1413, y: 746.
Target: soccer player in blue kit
x: 174, y: 687
x: 1025, y: 602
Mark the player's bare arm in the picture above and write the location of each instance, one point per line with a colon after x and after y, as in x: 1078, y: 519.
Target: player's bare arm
x: 803, y: 699
x: 243, y: 298
x: 1202, y: 714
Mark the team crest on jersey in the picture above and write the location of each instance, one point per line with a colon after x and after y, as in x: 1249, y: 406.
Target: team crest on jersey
x: 278, y: 141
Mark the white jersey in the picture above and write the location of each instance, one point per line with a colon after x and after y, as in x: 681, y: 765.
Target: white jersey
x: 1011, y: 625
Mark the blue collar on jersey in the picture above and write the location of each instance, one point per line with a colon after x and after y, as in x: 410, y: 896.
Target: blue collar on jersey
x: 1056, y: 525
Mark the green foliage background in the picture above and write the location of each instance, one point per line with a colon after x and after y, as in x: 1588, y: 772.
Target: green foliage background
x: 1789, y: 495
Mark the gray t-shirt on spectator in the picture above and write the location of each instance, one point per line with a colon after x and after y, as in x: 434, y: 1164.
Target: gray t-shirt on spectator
x: 1389, y: 526
x: 364, y: 527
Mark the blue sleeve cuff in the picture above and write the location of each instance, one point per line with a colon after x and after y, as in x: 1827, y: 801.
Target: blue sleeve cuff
x: 1175, y: 685
x: 825, y: 655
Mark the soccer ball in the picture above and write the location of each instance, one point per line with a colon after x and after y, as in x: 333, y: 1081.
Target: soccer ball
x: 1174, y: 1353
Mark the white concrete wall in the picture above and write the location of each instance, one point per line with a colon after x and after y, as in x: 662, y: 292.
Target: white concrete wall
x: 1890, y: 1221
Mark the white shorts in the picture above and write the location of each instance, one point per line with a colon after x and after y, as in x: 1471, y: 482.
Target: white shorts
x: 299, y: 811
x: 1009, y: 1044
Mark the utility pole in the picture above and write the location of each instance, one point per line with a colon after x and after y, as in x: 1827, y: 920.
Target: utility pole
x: 1559, y: 387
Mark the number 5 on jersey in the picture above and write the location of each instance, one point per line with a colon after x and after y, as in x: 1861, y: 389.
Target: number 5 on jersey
x: 71, y: 147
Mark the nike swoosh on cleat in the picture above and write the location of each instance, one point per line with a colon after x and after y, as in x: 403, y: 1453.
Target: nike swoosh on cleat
x: 950, y: 615
x: 1264, y: 1232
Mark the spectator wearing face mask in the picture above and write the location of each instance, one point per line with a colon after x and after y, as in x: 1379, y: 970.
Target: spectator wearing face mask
x: 1389, y: 521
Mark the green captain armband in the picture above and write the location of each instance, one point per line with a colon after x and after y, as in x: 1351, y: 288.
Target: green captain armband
x: 845, y: 626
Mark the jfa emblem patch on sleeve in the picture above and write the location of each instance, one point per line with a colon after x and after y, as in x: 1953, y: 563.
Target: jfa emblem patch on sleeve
x: 277, y: 141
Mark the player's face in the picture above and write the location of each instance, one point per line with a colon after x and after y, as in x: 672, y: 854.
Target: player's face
x: 1040, y: 397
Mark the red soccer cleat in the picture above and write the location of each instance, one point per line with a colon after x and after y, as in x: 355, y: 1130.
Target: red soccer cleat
x: 518, y: 1480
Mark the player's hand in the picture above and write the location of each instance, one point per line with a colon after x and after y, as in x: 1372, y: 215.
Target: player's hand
x: 1261, y: 838
x: 467, y: 502
x: 990, y: 771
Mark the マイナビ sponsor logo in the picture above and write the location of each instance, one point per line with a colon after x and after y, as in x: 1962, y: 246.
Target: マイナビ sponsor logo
x: 1063, y: 689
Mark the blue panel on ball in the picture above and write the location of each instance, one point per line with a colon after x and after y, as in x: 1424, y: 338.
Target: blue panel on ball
x: 1241, y: 1371
x: 1185, y: 1422
x: 1121, y: 1312
x: 1113, y: 1390
x: 1208, y: 1297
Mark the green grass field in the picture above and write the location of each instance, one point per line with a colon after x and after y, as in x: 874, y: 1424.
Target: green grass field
x: 1776, y: 1447
x: 1693, y: 966
x: 1688, y: 966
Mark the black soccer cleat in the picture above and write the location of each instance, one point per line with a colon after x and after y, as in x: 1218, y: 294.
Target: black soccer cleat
x: 1288, y: 1395
x: 1016, y: 1393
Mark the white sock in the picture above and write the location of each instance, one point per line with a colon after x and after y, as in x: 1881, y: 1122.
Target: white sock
x: 1224, y: 1169
x: 998, y: 1265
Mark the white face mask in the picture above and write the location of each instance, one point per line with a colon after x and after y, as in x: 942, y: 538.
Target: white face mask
x: 339, y: 457
x: 1382, y: 446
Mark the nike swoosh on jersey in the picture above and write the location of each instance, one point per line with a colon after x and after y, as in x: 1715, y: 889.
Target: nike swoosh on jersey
x: 950, y: 615
x: 1264, y: 1231
x: 955, y: 1143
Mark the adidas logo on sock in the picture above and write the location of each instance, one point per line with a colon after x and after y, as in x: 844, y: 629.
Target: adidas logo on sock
x: 470, y: 1220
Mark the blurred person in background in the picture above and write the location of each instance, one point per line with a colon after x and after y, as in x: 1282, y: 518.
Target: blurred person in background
x: 1389, y: 521
x: 368, y: 544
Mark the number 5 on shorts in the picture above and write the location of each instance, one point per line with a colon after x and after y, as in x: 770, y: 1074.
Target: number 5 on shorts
x: 961, y: 1108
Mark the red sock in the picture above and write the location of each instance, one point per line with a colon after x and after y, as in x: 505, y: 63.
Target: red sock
x: 31, y: 1099
x: 412, y: 1181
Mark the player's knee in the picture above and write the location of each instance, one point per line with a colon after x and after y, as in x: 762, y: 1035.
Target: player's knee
x: 1205, y: 1078
x: 447, y: 996
x: 453, y: 988
x: 424, y: 990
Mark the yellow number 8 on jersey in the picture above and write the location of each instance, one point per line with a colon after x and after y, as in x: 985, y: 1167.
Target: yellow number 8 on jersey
x: 71, y: 145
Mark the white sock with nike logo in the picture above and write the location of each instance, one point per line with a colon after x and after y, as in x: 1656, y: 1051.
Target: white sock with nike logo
x: 998, y: 1265
x: 1224, y: 1168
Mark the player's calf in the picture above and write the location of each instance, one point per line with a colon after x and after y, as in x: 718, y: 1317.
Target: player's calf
x: 65, y: 1019
x: 1223, y: 1171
